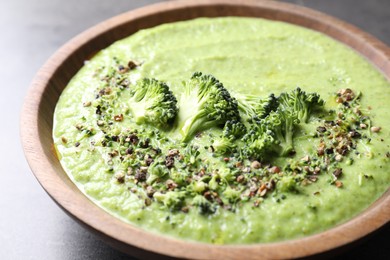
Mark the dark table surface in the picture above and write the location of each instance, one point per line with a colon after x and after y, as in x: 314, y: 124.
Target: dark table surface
x: 31, y: 225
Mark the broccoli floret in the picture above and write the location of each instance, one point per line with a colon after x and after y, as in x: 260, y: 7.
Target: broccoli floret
x: 282, y: 124
x: 227, y: 174
x: 231, y: 195
x: 152, y: 102
x: 156, y: 172
x: 254, y: 108
x: 225, y: 143
x: 205, y: 206
x: 233, y: 129
x: 294, y: 107
x: 191, y: 154
x: 205, y: 103
x: 260, y: 140
x: 275, y: 132
x: 222, y: 145
x: 179, y: 176
x: 287, y: 184
x: 300, y: 102
x: 197, y: 187
x: 173, y: 200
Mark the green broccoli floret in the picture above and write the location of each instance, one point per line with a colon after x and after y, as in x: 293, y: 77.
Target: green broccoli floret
x: 225, y: 143
x: 152, y: 102
x: 222, y: 145
x: 156, y: 172
x: 231, y: 195
x: 233, y: 129
x: 191, y: 154
x: 282, y: 124
x: 275, y: 132
x: 205, y: 206
x: 179, y: 176
x: 261, y: 140
x: 173, y: 200
x: 227, y: 174
x: 294, y: 107
x: 300, y: 102
x: 205, y: 103
x: 254, y: 108
x: 287, y: 184
x: 197, y: 187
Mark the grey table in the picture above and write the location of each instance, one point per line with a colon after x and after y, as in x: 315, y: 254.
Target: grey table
x: 31, y: 225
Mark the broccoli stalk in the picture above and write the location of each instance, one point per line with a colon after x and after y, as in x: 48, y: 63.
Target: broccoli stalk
x: 152, y: 102
x: 214, y: 182
x: 205, y: 103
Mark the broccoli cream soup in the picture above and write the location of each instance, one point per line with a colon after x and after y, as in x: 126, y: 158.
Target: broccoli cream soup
x: 227, y: 131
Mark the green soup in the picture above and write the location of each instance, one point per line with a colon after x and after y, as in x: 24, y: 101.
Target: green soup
x: 252, y: 56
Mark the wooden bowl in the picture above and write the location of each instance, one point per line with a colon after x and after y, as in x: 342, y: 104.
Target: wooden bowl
x: 37, y: 122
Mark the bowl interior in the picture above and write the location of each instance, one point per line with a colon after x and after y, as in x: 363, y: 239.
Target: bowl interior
x: 37, y: 122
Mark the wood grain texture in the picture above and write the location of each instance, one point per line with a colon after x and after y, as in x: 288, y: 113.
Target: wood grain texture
x: 37, y: 121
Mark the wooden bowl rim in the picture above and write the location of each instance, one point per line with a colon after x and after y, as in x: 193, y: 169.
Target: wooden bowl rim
x: 127, y: 237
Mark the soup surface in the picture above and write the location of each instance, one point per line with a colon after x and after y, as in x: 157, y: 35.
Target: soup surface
x: 97, y: 138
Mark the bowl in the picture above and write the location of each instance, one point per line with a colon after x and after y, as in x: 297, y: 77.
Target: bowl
x: 37, y: 123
